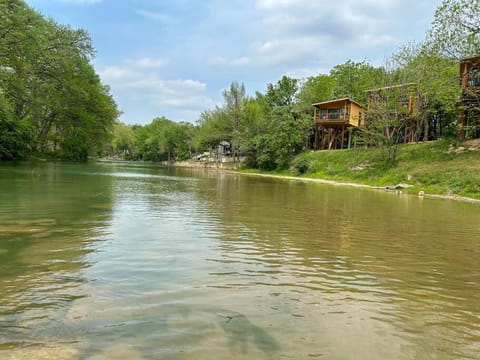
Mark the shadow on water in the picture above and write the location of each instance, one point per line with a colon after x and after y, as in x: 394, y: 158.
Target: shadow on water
x: 242, y: 334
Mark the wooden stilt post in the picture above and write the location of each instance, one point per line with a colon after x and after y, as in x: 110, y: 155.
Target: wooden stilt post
x: 461, y: 126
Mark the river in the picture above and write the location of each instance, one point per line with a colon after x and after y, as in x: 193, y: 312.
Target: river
x: 134, y: 261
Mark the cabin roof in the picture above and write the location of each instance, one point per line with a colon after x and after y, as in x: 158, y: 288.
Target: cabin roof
x: 470, y: 58
x: 337, y: 101
x: 391, y: 87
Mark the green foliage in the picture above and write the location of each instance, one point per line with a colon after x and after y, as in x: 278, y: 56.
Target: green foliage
x: 213, y: 126
x: 15, y: 135
x: 354, y: 78
x: 124, y: 141
x: 234, y: 102
x: 316, y: 89
x: 437, y: 80
x: 282, y: 137
x: 282, y: 93
x: 47, y: 78
x: 161, y: 140
x: 455, y: 31
x: 430, y: 167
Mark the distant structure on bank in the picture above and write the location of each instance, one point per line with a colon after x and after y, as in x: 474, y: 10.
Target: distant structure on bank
x: 403, y: 103
x: 468, y: 124
x: 340, y: 123
x: 337, y: 123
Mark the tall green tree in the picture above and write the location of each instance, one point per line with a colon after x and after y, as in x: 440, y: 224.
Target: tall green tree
x: 316, y: 89
x: 234, y: 99
x: 47, y: 78
x: 354, y: 78
x: 455, y: 31
x: 282, y: 93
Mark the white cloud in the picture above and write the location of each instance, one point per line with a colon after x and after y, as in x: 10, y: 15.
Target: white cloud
x: 146, y: 63
x: 138, y: 80
x: 80, y: 2
x: 117, y: 72
x: 301, y: 33
x: 156, y: 16
x: 241, y: 61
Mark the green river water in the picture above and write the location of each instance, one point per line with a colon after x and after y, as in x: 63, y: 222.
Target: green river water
x: 124, y: 261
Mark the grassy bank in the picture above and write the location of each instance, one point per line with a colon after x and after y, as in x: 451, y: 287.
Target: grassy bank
x: 434, y: 167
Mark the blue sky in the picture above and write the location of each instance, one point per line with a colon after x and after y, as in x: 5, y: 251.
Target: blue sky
x: 174, y: 58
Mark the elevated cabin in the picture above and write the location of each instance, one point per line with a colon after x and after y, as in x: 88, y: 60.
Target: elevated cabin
x: 402, y: 102
x: 468, y: 123
x: 336, y: 122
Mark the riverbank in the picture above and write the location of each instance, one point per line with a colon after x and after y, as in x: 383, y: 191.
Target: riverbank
x: 435, y: 169
x: 398, y: 189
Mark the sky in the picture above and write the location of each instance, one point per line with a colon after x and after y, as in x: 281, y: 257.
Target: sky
x: 174, y: 58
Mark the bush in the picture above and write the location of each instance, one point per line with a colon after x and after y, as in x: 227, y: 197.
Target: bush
x: 300, y: 165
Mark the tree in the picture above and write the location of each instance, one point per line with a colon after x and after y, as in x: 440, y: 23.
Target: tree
x: 213, y: 126
x: 124, y: 140
x: 437, y: 80
x: 234, y: 101
x: 282, y: 93
x: 283, y: 137
x: 386, y: 121
x: 353, y: 78
x: 455, y: 31
x: 15, y: 136
x: 47, y: 78
x: 316, y: 89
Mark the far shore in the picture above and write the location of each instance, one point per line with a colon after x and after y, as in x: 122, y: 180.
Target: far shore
x: 229, y: 167
x: 398, y: 189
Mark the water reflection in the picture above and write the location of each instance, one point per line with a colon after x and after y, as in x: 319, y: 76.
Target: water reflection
x: 390, y: 268
x: 49, y: 223
x: 120, y: 261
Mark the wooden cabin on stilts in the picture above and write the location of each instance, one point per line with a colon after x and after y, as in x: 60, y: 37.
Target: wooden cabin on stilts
x: 337, y: 123
x: 468, y: 122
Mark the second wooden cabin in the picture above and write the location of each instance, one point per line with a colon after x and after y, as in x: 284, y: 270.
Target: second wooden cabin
x: 468, y: 125
x: 402, y: 102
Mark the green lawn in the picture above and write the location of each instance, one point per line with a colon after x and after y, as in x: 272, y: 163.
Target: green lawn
x: 430, y: 167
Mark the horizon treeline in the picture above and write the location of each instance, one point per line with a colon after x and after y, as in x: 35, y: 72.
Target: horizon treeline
x: 53, y: 103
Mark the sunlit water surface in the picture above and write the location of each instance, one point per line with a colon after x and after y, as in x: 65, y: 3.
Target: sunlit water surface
x: 115, y: 261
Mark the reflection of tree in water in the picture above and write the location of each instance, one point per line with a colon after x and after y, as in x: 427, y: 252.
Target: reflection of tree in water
x: 51, y: 215
x: 369, y: 246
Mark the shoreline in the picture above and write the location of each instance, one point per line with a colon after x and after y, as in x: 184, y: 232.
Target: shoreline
x: 229, y: 168
x: 393, y: 189
x: 398, y: 189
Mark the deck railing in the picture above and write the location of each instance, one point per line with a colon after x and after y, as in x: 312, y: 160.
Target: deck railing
x: 336, y: 119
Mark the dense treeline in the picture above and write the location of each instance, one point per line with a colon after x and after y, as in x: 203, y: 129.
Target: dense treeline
x: 270, y: 128
x: 51, y: 100
x: 161, y: 140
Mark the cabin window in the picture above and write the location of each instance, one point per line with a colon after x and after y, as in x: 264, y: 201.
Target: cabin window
x: 323, y: 114
x: 333, y: 114
x: 474, y: 77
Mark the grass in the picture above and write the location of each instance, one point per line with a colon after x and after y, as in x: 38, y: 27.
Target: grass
x: 433, y: 167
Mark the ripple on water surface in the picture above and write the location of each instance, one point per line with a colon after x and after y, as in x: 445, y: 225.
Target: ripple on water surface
x: 112, y: 261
